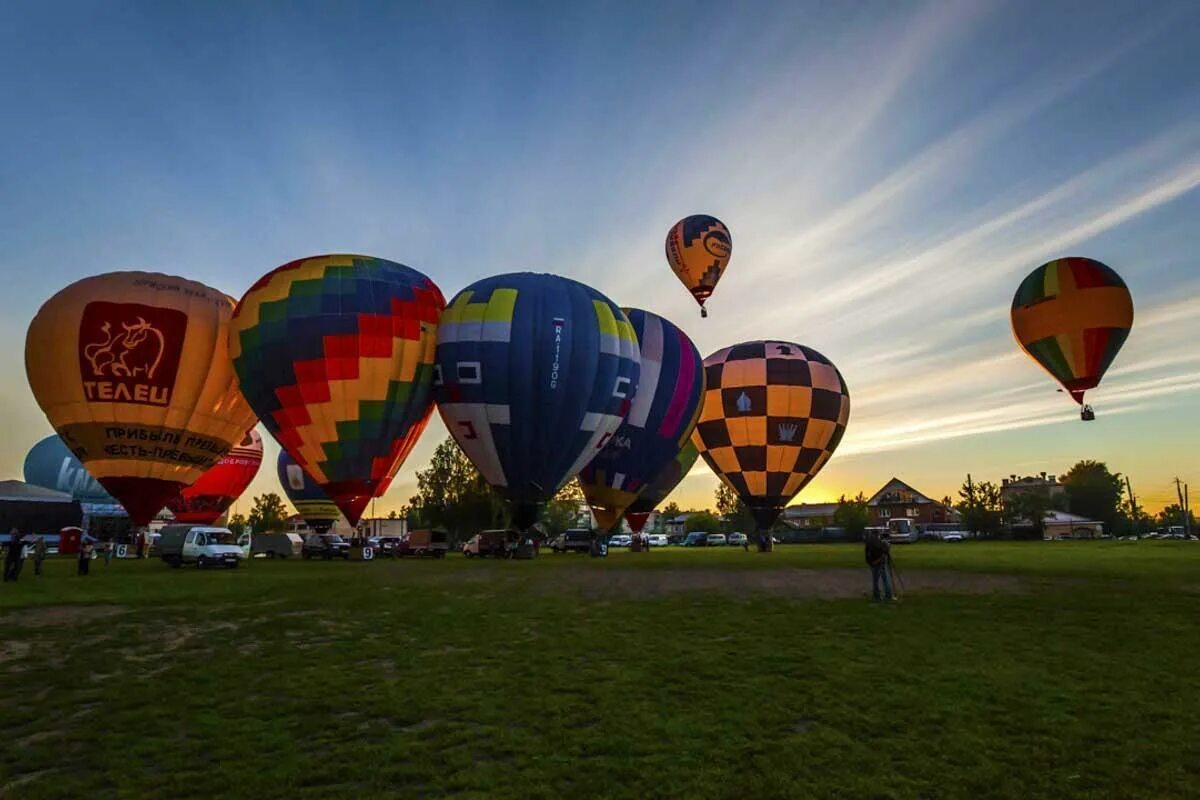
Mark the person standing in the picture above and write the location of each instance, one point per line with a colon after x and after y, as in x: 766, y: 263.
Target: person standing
x: 109, y: 549
x: 39, y: 555
x: 879, y: 553
x: 12, y: 556
x: 85, y: 556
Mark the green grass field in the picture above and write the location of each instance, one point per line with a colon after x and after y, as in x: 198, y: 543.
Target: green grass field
x: 1011, y: 670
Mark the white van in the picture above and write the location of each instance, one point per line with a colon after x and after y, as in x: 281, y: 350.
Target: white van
x: 200, y: 545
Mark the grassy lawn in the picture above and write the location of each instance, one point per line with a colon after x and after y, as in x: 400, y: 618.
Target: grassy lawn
x: 1009, y: 670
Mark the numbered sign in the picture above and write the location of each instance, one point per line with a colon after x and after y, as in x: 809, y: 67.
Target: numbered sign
x: 368, y: 553
x: 122, y: 551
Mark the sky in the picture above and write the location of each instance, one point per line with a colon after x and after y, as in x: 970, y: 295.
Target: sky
x: 889, y: 172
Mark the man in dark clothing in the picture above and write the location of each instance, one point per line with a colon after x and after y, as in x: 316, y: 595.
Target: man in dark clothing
x: 85, y: 556
x: 12, y: 556
x: 879, y: 553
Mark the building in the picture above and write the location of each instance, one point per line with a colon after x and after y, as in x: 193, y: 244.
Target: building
x: 809, y: 515
x: 1043, y: 484
x: 676, y: 526
x: 898, y: 499
x: 36, y: 510
x: 1061, y: 525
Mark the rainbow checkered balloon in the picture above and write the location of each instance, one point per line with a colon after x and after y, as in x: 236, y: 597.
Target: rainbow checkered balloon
x: 335, y: 355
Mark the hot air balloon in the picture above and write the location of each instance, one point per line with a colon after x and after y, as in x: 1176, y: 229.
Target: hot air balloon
x: 132, y: 370
x: 1071, y: 316
x: 660, y: 486
x: 51, y: 465
x: 335, y: 354
x: 773, y: 414
x: 698, y: 250
x: 534, y: 374
x: 319, y: 512
x: 660, y: 420
x: 207, y: 499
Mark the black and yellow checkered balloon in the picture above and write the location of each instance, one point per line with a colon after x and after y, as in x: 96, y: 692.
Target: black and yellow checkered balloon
x: 773, y: 414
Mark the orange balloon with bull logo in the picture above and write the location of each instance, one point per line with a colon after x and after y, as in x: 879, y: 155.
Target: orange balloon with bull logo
x: 132, y: 369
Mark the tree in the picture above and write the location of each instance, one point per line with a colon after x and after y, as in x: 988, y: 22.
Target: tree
x: 671, y: 511
x: 1028, y: 507
x: 392, y: 514
x: 1173, y: 515
x: 852, y: 515
x: 268, y: 514
x: 562, y: 512
x: 981, y: 507
x: 237, y: 523
x: 737, y: 515
x: 451, y: 494
x: 1094, y: 492
x: 703, y: 521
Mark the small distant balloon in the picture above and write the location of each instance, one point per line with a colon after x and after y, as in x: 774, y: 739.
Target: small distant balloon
x: 1071, y: 316
x: 319, y: 512
x: 698, y: 250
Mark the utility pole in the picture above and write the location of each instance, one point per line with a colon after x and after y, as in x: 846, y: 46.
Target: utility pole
x: 1185, y: 512
x: 1133, y: 509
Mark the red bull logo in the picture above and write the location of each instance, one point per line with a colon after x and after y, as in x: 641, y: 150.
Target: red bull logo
x: 129, y: 353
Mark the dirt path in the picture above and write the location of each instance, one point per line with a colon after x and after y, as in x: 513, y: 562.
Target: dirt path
x: 798, y: 583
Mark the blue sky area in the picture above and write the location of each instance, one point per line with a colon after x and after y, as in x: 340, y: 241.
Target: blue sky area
x: 890, y: 171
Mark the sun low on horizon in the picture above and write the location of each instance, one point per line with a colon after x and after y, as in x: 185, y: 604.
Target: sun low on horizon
x: 889, y: 175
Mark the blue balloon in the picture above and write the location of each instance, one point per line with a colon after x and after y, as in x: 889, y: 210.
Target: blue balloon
x: 306, y: 495
x: 51, y: 465
x: 533, y: 374
x: 659, y: 424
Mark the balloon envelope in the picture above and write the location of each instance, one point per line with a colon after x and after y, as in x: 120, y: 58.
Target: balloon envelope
x: 660, y: 420
x: 207, y: 499
x: 1071, y: 316
x: 311, y: 503
x: 132, y: 370
x: 534, y: 374
x: 335, y: 354
x: 698, y: 250
x: 773, y: 414
x: 662, y: 485
x: 51, y: 465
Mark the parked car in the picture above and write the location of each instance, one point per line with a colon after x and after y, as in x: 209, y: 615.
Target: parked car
x: 386, y: 546
x: 200, y: 545
x: 658, y: 540
x: 715, y: 540
x: 620, y: 540
x: 325, y: 545
x: 575, y: 540
x: 487, y: 543
x: 696, y: 539
x: 738, y: 539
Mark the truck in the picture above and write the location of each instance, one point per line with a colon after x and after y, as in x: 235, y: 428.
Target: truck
x: 200, y: 545
x: 432, y: 543
x: 276, y: 545
x: 487, y: 543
